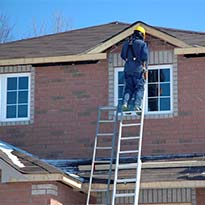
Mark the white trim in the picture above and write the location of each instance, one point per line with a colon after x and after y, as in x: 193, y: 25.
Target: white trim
x: 164, y: 66
x: 53, y: 59
x: 3, y: 84
x: 116, y: 70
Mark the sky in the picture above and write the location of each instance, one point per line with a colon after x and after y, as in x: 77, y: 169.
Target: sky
x: 179, y: 14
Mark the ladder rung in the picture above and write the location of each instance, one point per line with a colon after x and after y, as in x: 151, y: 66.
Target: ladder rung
x: 97, y: 204
x: 130, y: 138
x: 98, y: 190
x: 105, y: 134
x: 125, y: 195
x: 131, y: 113
x: 101, y: 162
x: 103, y: 148
x: 106, y: 121
x: 128, y: 151
x: 127, y: 166
x: 99, y: 176
x: 108, y: 108
x: 131, y: 124
x: 126, y: 180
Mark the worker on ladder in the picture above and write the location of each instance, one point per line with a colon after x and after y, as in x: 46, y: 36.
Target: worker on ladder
x: 134, y: 53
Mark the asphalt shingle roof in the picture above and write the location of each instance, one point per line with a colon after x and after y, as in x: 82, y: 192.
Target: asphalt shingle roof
x: 81, y: 40
x: 66, y: 43
x: 190, y: 37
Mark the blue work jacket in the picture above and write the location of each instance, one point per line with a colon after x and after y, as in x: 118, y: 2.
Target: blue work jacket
x: 134, y: 53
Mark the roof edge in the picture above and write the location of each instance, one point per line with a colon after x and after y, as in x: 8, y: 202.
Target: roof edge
x: 155, y: 185
x: 189, y: 50
x: 53, y: 59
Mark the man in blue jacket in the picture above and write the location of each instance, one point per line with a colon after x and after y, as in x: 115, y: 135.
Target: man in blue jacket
x: 134, y: 53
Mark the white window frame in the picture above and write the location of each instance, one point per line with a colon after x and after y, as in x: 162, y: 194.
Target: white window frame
x: 154, y: 67
x: 119, y: 69
x: 3, y: 96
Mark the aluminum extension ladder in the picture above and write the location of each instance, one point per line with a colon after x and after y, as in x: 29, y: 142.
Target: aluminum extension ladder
x: 132, y: 170
x: 104, y: 148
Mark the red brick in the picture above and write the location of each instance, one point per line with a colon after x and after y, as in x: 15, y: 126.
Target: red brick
x: 67, y: 97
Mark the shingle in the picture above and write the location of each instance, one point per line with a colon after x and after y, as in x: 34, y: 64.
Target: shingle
x: 66, y: 43
x: 190, y: 37
x: 24, y: 162
x: 81, y: 40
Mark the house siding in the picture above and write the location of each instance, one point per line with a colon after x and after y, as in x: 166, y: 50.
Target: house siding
x: 200, y: 196
x: 66, y: 101
x: 183, y: 133
x: 175, y: 196
x: 28, y: 193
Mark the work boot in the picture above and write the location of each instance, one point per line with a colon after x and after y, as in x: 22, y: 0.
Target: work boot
x: 138, y: 108
x: 125, y: 107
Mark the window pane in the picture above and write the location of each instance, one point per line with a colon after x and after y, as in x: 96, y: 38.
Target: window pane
x: 23, y: 97
x: 164, y: 104
x: 165, y: 89
x: 120, y: 91
x: 12, y: 83
x: 153, y: 104
x: 152, y: 76
x: 152, y: 90
x: 11, y: 97
x: 165, y: 75
x: 120, y: 102
x: 121, y: 77
x: 22, y: 111
x: 23, y: 82
x: 11, y: 111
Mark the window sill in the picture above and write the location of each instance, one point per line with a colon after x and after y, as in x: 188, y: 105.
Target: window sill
x: 18, y: 122
x: 159, y: 115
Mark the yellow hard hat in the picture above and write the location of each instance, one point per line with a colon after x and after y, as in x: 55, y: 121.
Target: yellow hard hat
x: 141, y: 29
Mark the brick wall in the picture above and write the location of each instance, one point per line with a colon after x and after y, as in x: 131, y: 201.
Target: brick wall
x: 65, y: 117
x: 40, y: 193
x: 183, y: 133
x: 66, y: 101
x: 200, y: 196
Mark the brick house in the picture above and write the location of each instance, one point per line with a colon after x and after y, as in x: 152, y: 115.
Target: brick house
x: 51, y: 87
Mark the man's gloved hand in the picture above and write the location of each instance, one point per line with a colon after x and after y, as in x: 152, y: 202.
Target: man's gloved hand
x: 145, y: 73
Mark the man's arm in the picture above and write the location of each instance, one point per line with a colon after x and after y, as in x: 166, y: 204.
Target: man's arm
x: 124, y: 50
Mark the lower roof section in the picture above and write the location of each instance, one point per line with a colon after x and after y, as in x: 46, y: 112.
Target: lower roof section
x: 169, y: 171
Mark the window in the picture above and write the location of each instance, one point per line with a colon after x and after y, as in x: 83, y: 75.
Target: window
x: 159, y: 95
x: 15, y: 97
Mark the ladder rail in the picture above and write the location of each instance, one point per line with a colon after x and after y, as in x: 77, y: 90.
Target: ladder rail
x: 138, y: 150
x: 138, y: 172
x: 96, y: 147
x: 117, y: 162
x: 112, y: 157
x: 93, y: 159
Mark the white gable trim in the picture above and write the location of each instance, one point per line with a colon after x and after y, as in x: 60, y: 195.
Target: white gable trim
x: 124, y: 34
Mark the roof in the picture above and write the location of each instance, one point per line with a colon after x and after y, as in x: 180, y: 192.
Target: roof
x: 65, y: 46
x: 192, y: 38
x: 157, y: 172
x: 27, y: 167
x: 66, y: 43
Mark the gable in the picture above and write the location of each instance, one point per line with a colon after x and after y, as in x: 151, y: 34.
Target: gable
x: 128, y: 31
